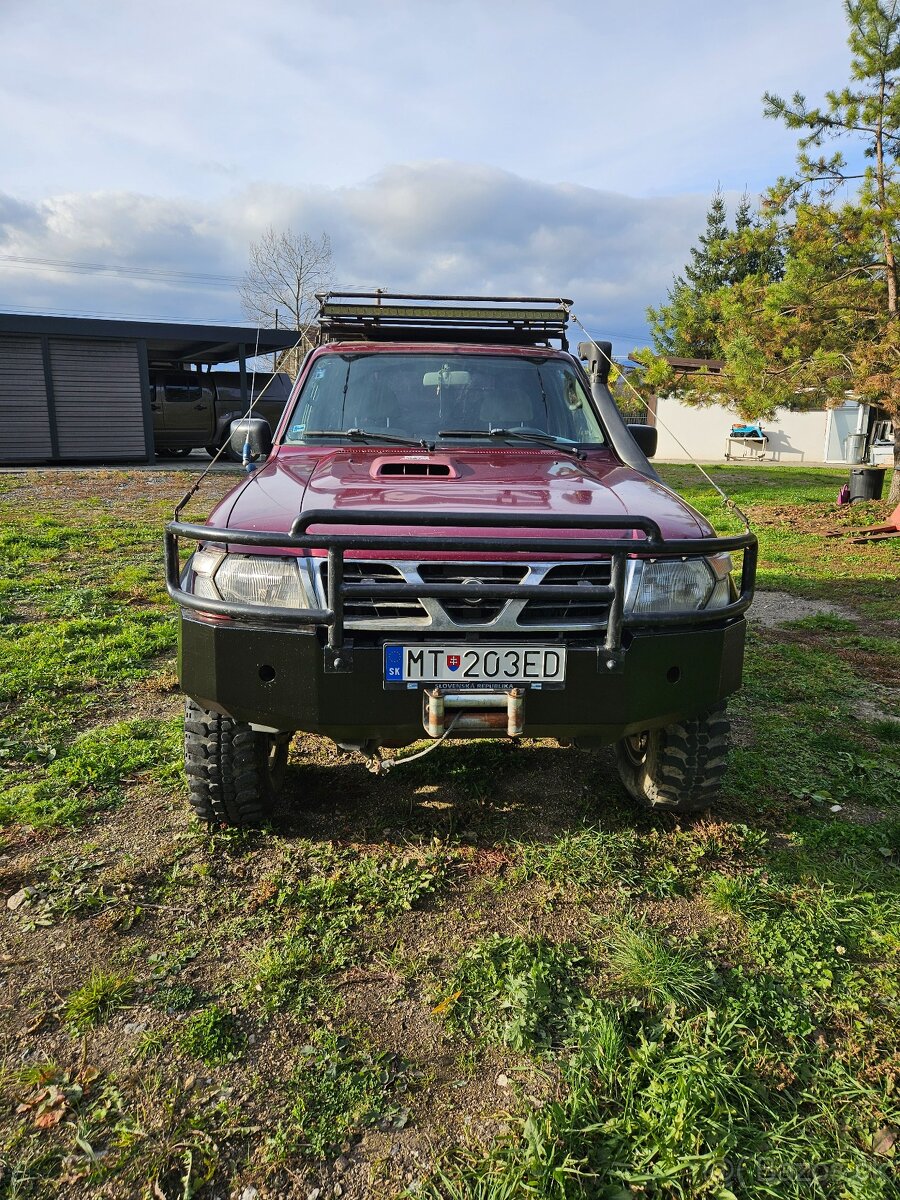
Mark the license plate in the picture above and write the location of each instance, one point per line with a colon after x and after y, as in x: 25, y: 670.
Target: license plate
x: 468, y: 664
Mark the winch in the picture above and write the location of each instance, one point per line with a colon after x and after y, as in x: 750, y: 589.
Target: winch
x: 477, y: 713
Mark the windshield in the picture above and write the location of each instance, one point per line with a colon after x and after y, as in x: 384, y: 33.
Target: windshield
x: 442, y: 398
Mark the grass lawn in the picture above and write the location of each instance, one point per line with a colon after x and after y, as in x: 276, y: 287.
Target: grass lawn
x: 486, y: 975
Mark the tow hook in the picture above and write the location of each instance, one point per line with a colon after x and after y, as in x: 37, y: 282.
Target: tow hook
x: 374, y: 762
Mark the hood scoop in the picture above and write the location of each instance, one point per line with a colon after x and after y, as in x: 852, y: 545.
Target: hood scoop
x: 413, y: 468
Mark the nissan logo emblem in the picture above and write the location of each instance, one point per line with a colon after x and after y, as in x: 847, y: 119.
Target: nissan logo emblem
x: 471, y: 599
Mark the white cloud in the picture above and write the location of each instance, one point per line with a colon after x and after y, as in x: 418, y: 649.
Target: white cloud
x: 195, y: 97
x: 168, y: 135
x: 439, y: 226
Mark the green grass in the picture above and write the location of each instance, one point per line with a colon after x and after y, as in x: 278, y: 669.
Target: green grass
x: 332, y: 896
x: 213, y: 1035
x: 512, y: 991
x: 586, y: 859
x: 662, y: 973
x: 82, y: 609
x: 87, y: 773
x: 291, y: 970
x: 103, y: 994
x: 338, y: 1088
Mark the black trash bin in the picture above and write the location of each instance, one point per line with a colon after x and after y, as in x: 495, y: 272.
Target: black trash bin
x: 866, y: 483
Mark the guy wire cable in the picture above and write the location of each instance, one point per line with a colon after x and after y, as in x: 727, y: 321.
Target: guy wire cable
x: 192, y: 491
x: 729, y: 503
x: 246, y: 461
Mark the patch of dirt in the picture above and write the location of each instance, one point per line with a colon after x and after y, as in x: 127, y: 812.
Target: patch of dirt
x: 876, y: 668
x: 862, y: 814
x: 811, y: 518
x: 885, y: 708
x: 771, y: 609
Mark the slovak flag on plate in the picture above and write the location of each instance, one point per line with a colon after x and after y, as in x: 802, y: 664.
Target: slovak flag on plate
x: 453, y: 661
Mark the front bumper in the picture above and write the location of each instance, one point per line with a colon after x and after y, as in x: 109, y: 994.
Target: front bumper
x: 277, y: 678
x: 294, y: 669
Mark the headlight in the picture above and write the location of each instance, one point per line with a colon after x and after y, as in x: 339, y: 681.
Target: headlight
x: 678, y: 585
x: 251, y: 579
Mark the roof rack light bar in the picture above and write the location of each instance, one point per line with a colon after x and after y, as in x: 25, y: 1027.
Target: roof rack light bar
x: 519, y: 320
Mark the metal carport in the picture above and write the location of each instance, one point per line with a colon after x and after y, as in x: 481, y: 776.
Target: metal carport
x: 78, y: 390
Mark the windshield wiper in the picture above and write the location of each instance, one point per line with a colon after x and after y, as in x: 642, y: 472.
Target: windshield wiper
x: 517, y: 435
x: 366, y: 435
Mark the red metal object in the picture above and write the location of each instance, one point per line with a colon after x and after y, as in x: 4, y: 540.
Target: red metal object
x: 525, y: 481
x: 484, y: 479
x: 871, y: 533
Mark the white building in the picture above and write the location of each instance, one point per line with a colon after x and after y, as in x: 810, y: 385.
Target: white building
x: 849, y: 432
x: 816, y: 436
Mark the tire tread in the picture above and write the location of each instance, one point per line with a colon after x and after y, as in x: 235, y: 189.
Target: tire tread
x: 226, y: 766
x: 684, y: 764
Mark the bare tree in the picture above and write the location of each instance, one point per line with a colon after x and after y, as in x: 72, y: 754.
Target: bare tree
x: 278, y: 289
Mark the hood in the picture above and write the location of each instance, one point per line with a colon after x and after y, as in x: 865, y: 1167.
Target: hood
x: 481, y: 480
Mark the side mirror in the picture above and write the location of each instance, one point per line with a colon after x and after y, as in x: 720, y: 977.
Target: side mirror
x: 646, y: 437
x: 256, y: 433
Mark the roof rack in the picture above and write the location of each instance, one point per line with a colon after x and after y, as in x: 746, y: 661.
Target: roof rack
x: 403, y: 316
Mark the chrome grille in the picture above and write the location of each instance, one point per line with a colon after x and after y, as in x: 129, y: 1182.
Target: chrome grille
x: 480, y: 611
x: 583, y: 608
x: 362, y: 608
x: 582, y: 611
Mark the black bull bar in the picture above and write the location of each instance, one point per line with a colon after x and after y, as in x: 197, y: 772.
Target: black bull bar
x: 652, y: 545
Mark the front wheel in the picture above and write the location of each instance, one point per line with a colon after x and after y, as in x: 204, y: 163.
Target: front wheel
x: 678, y: 767
x: 234, y: 773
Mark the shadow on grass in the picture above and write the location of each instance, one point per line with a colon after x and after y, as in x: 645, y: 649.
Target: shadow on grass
x: 489, y: 792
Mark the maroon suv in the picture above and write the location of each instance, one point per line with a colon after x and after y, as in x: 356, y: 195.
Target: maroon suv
x: 455, y: 534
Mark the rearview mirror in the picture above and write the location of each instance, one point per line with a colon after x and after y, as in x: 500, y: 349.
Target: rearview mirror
x: 255, y: 433
x: 646, y: 437
x: 445, y: 378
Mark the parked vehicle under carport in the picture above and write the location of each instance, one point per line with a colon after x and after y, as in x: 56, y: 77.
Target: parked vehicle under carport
x: 194, y: 409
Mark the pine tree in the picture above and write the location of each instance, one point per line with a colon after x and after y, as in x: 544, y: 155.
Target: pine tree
x: 708, y: 269
x: 810, y: 310
x: 866, y: 111
x: 689, y: 324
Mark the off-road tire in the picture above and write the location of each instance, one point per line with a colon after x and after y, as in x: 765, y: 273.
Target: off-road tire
x: 234, y: 773
x: 678, y: 767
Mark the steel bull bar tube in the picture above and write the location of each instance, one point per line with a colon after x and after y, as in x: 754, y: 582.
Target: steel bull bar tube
x: 651, y: 545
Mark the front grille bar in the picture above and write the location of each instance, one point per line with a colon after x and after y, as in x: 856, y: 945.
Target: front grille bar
x: 474, y: 591
x: 618, y: 549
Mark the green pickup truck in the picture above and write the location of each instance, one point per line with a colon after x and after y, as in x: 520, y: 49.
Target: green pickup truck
x: 196, y: 408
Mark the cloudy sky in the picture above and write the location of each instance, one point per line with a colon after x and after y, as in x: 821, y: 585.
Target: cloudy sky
x: 470, y: 145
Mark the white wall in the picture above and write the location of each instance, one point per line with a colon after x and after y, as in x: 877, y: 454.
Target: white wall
x: 794, y: 437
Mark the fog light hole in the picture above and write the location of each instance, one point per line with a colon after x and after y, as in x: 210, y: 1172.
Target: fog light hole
x: 266, y: 673
x: 673, y: 674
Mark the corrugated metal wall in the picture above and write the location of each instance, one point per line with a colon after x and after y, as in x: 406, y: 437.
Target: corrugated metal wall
x: 24, y: 413
x: 97, y: 397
